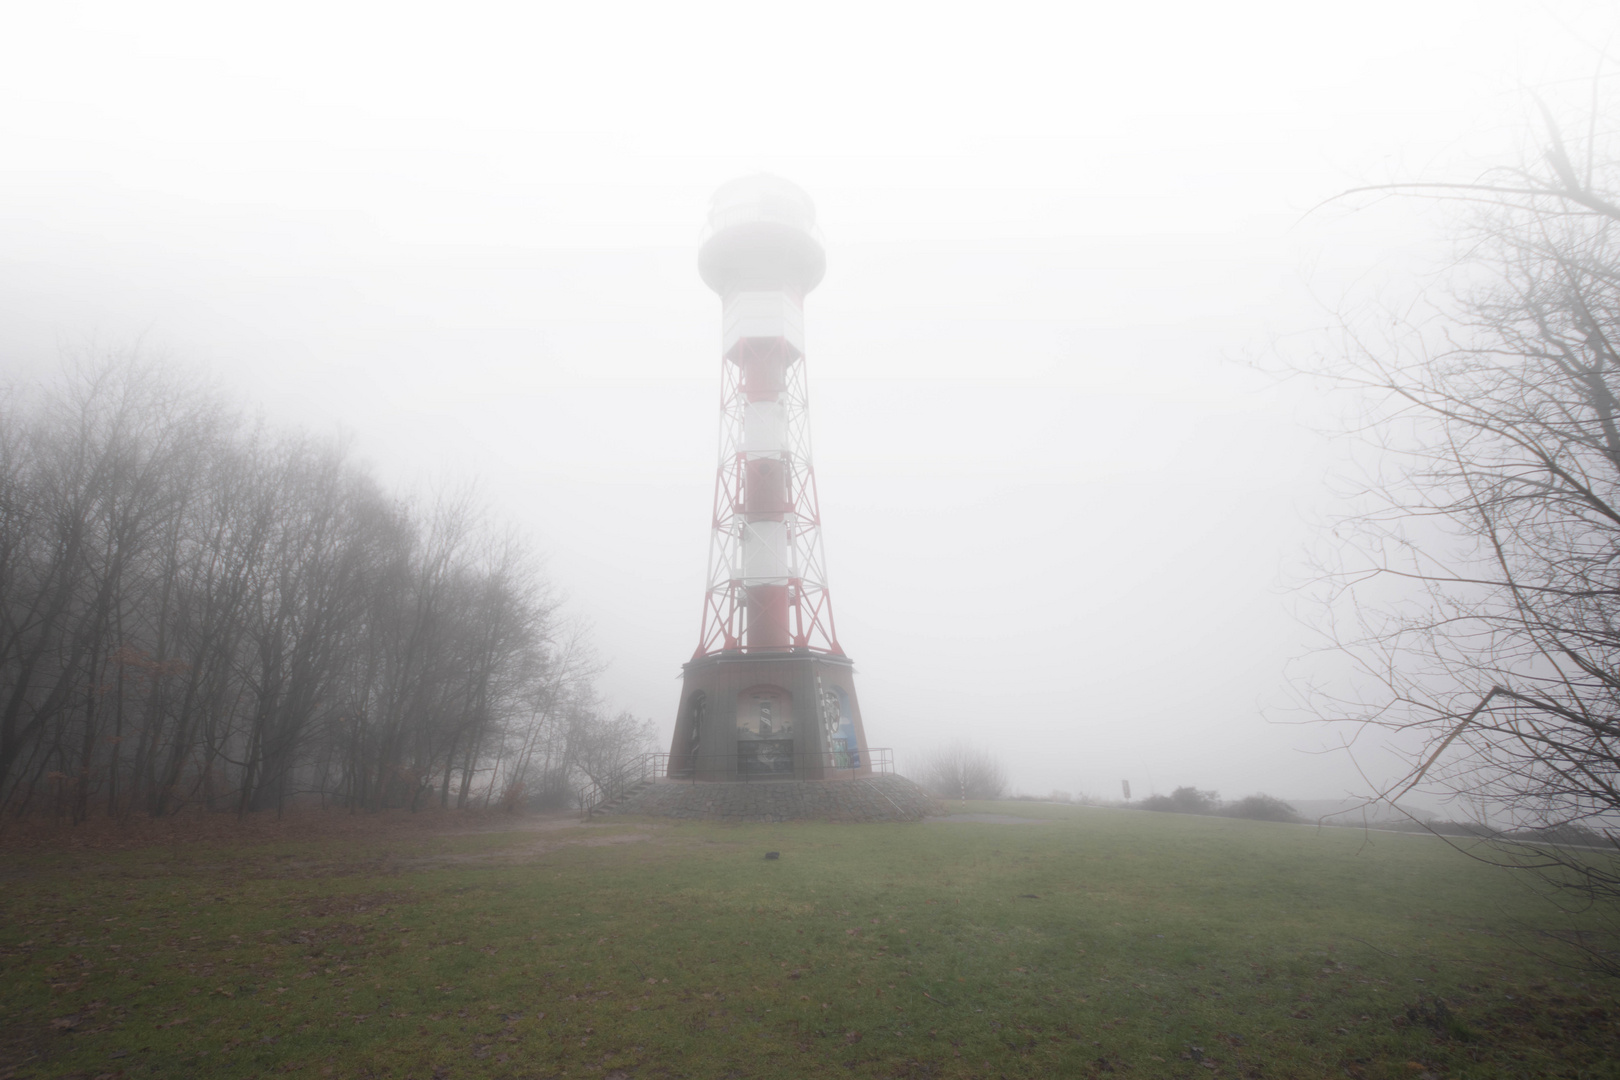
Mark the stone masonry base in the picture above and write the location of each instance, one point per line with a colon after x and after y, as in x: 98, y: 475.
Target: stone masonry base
x: 868, y: 799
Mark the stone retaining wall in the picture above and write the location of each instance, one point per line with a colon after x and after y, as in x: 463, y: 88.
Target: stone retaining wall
x: 871, y: 798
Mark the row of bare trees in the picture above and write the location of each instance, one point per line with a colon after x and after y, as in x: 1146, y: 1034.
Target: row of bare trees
x: 198, y: 611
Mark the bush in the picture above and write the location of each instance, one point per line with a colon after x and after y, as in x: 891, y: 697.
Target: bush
x: 1190, y: 800
x: 1184, y: 800
x: 1262, y: 808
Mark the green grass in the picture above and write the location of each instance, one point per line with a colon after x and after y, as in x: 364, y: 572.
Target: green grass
x: 1097, y: 942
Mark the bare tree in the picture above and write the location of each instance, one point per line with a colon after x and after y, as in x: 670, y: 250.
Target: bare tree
x: 605, y: 745
x: 963, y: 771
x: 1478, y: 584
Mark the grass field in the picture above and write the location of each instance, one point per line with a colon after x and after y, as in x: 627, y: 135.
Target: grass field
x: 1091, y: 942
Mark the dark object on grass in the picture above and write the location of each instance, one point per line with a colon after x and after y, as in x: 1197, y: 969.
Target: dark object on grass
x: 773, y: 854
x: 1027, y: 896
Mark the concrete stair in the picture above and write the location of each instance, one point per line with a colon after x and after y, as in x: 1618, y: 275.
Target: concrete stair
x: 625, y: 796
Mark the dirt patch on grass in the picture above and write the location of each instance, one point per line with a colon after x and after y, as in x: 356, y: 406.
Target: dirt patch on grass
x: 1576, y: 1029
x: 324, y: 907
x: 107, y: 834
x: 519, y: 854
x: 622, y: 838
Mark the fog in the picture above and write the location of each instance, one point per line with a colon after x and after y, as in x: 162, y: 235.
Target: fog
x: 1065, y: 498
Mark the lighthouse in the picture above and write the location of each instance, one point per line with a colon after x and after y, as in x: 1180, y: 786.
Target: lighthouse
x: 769, y: 693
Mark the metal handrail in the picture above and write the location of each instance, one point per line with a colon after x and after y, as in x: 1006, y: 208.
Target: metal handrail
x: 637, y: 770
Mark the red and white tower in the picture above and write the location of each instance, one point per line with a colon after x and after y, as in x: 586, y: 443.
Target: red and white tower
x: 768, y: 690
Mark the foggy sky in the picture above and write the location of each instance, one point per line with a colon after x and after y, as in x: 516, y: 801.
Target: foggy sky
x: 1061, y: 509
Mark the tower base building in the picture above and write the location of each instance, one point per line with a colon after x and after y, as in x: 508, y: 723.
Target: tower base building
x: 769, y: 716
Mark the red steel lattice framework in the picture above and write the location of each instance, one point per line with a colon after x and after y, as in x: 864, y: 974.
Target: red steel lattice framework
x: 765, y: 501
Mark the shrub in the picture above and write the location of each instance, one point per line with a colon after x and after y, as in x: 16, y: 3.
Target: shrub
x: 1262, y: 808
x: 1184, y: 800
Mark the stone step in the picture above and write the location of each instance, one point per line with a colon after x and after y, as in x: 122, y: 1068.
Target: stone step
x: 608, y: 805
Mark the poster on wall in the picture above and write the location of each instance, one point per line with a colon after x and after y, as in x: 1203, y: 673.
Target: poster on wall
x: 764, y: 731
x: 838, y: 720
x: 765, y: 757
x: 764, y: 712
